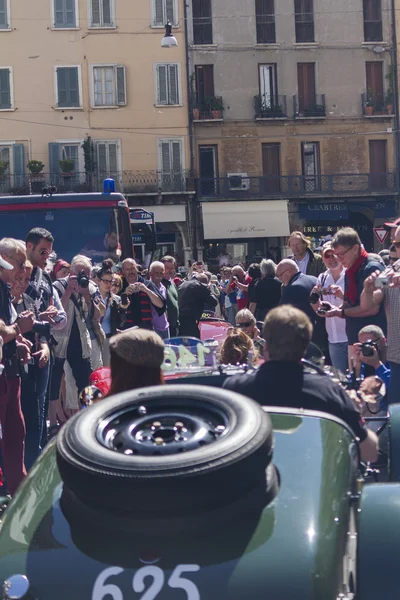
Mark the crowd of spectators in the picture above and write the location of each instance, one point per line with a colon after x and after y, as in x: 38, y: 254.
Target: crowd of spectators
x: 60, y: 321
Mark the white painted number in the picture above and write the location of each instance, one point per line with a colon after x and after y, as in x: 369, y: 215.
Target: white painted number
x: 186, y: 357
x: 176, y: 581
x: 158, y: 581
x: 169, y: 363
x: 201, y: 351
x: 101, y: 590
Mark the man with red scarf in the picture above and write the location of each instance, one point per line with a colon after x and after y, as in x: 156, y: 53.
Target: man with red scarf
x: 359, y: 265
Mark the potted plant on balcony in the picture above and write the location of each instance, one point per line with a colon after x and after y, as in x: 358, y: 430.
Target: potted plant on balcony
x: 389, y: 92
x: 35, y: 168
x: 67, y: 167
x: 216, y: 107
x: 369, y: 103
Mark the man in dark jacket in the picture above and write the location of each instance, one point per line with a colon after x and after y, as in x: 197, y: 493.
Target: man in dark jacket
x: 307, y: 261
x: 142, y: 294
x: 282, y: 380
x: 296, y: 287
x: 193, y: 295
x: 172, y: 294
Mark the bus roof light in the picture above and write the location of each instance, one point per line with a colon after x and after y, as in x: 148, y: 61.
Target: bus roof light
x: 108, y: 186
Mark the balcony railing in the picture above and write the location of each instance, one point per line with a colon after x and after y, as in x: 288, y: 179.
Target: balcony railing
x: 127, y: 182
x: 309, y: 106
x: 376, y: 104
x: 210, y: 108
x: 270, y: 107
x: 344, y: 184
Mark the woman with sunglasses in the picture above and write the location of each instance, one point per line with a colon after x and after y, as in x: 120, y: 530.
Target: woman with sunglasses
x: 114, y: 317
x: 329, y: 288
x: 246, y: 322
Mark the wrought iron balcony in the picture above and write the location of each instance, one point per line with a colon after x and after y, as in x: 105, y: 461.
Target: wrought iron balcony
x: 270, y: 107
x: 127, y: 182
x: 211, y: 108
x: 309, y: 106
x: 377, y: 104
x: 241, y: 187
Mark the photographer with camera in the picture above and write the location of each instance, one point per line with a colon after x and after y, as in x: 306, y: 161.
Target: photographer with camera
x: 327, y: 293
x: 371, y: 356
x: 80, y: 299
x: 384, y: 289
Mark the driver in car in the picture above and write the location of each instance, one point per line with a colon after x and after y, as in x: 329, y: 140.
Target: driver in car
x: 282, y: 380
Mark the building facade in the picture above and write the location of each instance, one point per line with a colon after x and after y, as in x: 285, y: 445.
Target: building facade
x: 87, y: 90
x: 293, y: 120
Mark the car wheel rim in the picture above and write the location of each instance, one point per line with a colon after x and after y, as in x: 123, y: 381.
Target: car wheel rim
x: 160, y: 428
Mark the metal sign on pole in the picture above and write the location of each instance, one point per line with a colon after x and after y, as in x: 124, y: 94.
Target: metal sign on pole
x: 381, y: 233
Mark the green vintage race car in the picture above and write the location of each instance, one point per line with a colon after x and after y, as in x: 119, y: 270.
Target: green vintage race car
x: 186, y: 492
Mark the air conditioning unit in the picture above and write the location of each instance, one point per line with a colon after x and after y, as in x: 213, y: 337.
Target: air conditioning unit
x: 238, y: 182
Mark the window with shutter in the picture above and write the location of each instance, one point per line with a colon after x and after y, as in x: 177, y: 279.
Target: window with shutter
x: 202, y: 22
x: 5, y: 156
x: 5, y: 89
x: 18, y: 155
x: 171, y: 176
x: 107, y: 159
x: 102, y: 13
x: 168, y: 84
x: 164, y: 11
x: 64, y: 14
x: 68, y: 87
x: 3, y: 15
x: 109, y: 85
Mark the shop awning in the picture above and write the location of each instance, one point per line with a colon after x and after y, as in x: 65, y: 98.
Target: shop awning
x: 251, y: 219
x: 170, y: 213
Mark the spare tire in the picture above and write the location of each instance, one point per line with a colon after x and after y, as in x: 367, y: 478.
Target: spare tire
x: 165, y: 448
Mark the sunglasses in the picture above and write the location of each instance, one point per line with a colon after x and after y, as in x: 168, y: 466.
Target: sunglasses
x: 396, y: 244
x: 329, y: 255
x: 244, y: 324
x: 106, y: 281
x: 44, y: 252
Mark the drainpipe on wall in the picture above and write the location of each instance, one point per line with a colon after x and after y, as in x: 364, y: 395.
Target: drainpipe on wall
x: 192, y: 198
x: 396, y: 98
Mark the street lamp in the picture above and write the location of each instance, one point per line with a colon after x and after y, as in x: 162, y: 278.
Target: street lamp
x: 169, y: 40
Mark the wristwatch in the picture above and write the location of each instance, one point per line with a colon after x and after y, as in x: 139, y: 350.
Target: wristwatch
x: 343, y: 315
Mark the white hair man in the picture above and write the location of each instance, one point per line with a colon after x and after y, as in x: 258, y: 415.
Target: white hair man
x: 296, y: 286
x: 143, y: 296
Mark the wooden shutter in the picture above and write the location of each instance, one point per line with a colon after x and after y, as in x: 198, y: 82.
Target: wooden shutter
x: 107, y: 17
x: 271, y: 167
x: 204, y: 82
x: 70, y: 13
x: 377, y: 164
x: 120, y: 78
x: 68, y: 87
x: 95, y: 12
x: 372, y: 10
x: 5, y: 91
x: 3, y: 14
x: 112, y: 158
x: 202, y: 24
x: 176, y: 157
x: 374, y: 80
x: 306, y: 85
x: 18, y: 151
x: 162, y: 89
x: 159, y: 12
x: 59, y: 20
x: 54, y: 158
x: 101, y: 158
x: 170, y: 13
x: 173, y: 84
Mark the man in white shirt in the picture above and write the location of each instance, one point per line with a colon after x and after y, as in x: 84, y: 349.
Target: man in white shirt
x: 331, y: 286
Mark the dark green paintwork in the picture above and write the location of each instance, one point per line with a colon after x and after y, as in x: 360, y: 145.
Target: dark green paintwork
x: 394, y: 437
x: 293, y: 548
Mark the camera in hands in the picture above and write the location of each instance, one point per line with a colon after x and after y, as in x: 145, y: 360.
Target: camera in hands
x: 83, y: 280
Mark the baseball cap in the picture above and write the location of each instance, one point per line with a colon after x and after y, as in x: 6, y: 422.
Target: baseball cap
x: 5, y: 265
x: 395, y: 223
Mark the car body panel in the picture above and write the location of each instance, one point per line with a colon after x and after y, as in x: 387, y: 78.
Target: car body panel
x: 292, y: 548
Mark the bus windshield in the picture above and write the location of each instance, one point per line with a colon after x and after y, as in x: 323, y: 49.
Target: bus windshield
x: 94, y: 232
